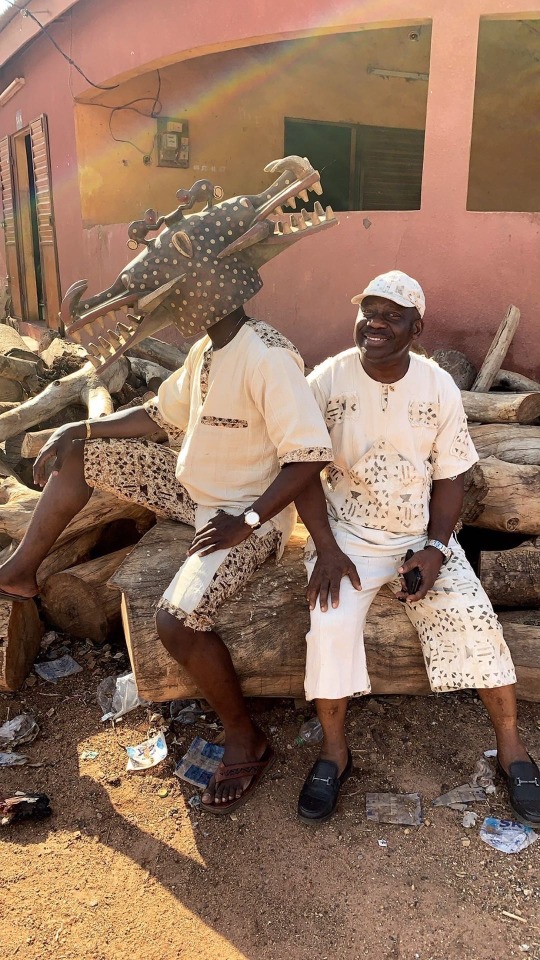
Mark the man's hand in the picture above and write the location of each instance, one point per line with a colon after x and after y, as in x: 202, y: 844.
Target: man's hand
x: 58, y: 446
x: 429, y: 561
x: 220, y: 533
x: 331, y: 566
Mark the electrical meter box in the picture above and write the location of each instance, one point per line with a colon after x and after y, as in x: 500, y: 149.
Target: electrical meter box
x: 172, y: 142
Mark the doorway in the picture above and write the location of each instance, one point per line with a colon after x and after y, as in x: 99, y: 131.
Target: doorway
x: 32, y: 298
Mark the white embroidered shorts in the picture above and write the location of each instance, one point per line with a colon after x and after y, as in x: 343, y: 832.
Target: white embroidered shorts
x: 462, y: 639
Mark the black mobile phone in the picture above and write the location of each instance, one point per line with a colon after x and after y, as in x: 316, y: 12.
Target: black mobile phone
x: 413, y: 578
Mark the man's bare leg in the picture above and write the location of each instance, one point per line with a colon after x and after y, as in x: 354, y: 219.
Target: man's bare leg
x: 331, y: 714
x: 500, y: 703
x: 64, y: 495
x: 207, y: 660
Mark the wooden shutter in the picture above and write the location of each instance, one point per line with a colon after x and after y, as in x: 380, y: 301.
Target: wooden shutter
x: 391, y: 161
x: 8, y: 214
x: 45, y: 217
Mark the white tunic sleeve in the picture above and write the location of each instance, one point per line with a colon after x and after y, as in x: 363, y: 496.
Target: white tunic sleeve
x: 453, y: 449
x: 294, y: 422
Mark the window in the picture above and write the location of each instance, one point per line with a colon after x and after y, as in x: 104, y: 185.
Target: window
x: 362, y: 167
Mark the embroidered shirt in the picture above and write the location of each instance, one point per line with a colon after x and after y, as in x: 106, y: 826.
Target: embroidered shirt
x: 390, y: 441
x: 246, y: 410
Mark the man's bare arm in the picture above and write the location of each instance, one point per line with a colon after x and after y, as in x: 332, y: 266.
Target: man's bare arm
x: 332, y: 564
x: 444, y: 511
x: 224, y: 531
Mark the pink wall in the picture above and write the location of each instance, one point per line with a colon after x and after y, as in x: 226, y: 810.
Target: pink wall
x: 472, y: 265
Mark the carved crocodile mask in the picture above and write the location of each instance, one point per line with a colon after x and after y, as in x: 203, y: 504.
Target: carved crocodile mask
x: 202, y: 265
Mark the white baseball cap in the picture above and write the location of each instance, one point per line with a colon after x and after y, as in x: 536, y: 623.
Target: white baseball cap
x: 397, y: 287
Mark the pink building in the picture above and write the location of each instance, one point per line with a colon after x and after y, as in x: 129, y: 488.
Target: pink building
x: 421, y: 115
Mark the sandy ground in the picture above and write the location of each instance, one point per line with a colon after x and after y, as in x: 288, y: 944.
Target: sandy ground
x: 120, y: 871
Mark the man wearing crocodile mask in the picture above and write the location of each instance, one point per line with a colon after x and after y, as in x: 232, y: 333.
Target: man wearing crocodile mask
x: 249, y: 433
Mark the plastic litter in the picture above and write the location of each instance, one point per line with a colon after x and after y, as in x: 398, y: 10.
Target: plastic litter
x: 490, y: 753
x: 186, y: 712
x: 22, y: 806
x: 12, y: 760
x: 507, y: 835
x: 20, y: 729
x: 382, y: 843
x: 460, y: 797
x: 194, y: 801
x: 469, y: 819
x: 399, y: 808
x: 310, y: 732
x: 54, y: 670
x: 117, y: 696
x: 484, y: 775
x: 147, y: 754
x: 200, y: 762
x: 89, y: 754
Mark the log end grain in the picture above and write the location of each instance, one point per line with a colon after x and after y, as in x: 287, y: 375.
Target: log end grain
x: 21, y: 631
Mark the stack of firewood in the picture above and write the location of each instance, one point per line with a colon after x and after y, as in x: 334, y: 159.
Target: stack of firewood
x: 46, y: 388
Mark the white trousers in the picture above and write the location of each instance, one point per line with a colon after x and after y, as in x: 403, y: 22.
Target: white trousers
x: 461, y: 637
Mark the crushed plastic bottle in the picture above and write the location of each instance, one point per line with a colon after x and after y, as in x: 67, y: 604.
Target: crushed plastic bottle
x: 310, y: 731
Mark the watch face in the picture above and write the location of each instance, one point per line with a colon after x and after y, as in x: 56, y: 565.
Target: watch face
x: 251, y: 518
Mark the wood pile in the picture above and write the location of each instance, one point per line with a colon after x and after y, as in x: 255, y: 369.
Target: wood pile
x: 86, y: 583
x: 51, y: 386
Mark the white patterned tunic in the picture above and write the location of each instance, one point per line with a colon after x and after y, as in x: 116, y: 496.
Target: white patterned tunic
x: 389, y: 441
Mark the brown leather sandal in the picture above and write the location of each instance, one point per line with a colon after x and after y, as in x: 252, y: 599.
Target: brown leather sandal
x: 256, y: 769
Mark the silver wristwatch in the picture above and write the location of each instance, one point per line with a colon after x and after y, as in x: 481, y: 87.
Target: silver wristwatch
x: 446, y: 551
x: 252, y: 518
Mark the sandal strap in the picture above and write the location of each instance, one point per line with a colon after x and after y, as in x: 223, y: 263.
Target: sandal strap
x: 239, y: 771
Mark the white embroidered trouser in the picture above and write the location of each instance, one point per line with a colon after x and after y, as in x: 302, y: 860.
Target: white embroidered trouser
x: 461, y: 637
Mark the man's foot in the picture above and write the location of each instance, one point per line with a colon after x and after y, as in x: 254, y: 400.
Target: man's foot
x: 242, y: 768
x: 523, y: 784
x: 16, y: 587
x: 319, y: 795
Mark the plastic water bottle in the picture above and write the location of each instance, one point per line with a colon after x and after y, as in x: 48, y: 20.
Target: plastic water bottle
x: 311, y: 731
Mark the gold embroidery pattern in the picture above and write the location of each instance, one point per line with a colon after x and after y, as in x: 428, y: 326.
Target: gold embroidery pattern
x: 423, y: 413
x: 341, y: 408
x: 230, y: 578
x: 175, y: 435
x: 307, y: 455
x: 141, y: 472
x: 222, y: 422
x: 271, y: 337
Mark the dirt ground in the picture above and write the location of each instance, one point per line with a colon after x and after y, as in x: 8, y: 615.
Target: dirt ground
x: 122, y: 871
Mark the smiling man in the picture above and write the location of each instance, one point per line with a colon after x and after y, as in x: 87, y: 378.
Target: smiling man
x: 401, y: 447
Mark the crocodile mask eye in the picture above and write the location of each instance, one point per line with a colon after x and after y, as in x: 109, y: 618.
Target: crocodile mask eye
x: 183, y: 243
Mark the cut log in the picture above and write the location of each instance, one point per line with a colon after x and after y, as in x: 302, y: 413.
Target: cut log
x: 59, y: 349
x: 33, y: 443
x: 78, y: 601
x: 159, y: 352
x: 511, y: 578
x: 497, y: 351
x: 498, y: 407
x: 265, y: 627
x: 521, y: 630
x: 82, y: 385
x: 19, y: 502
x: 511, y: 442
x: 460, y: 368
x: 21, y: 631
x: 11, y: 342
x: 515, y: 382
x: 6, y: 405
x: 152, y: 374
x: 12, y: 368
x: 502, y: 496
x: 10, y: 391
